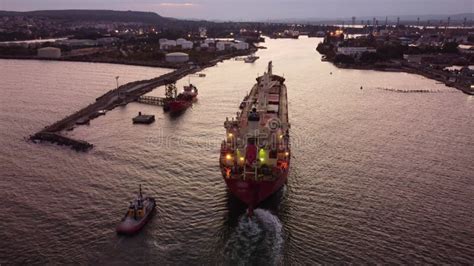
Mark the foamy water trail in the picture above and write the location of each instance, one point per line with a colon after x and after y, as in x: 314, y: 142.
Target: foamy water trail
x: 416, y: 90
x: 256, y: 241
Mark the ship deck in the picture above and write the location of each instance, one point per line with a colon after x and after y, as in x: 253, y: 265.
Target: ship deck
x: 277, y: 107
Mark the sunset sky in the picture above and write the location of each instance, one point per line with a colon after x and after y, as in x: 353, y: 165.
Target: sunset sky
x: 256, y: 9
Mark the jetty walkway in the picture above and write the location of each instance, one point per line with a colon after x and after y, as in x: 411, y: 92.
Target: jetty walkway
x: 120, y: 96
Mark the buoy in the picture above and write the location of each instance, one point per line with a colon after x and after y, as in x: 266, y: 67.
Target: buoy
x: 361, y: 87
x: 330, y: 73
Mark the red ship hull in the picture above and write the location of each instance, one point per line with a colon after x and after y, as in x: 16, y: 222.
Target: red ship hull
x: 179, y: 106
x: 253, y: 192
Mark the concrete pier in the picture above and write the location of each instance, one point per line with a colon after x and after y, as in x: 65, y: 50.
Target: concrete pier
x: 78, y: 145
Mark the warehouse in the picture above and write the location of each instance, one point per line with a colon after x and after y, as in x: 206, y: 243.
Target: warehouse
x: 49, y: 52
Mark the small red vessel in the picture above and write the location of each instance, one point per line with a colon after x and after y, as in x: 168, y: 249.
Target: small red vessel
x: 138, y: 214
x: 178, y: 106
x: 183, y: 101
x: 255, y: 155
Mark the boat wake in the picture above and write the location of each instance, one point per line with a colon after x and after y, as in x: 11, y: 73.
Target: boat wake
x: 415, y: 91
x: 256, y: 241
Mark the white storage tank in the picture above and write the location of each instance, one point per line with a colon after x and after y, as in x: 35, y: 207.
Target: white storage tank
x: 49, y: 52
x: 177, y: 57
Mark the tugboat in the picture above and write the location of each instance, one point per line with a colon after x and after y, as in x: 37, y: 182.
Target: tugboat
x: 255, y: 155
x: 138, y: 214
x: 181, y: 102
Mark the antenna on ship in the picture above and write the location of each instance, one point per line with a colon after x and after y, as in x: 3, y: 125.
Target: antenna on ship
x: 270, y: 67
x: 140, y: 188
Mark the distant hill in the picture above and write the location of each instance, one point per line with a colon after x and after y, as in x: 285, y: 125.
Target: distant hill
x: 455, y: 18
x: 94, y: 15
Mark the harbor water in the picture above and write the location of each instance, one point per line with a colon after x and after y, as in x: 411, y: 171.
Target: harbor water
x: 382, y: 169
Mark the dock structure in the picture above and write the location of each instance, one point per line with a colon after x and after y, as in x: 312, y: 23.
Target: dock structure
x: 152, y: 100
x: 120, y: 96
x: 78, y: 145
x: 143, y: 119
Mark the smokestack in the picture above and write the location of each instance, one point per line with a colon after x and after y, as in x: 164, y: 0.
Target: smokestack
x: 447, y: 25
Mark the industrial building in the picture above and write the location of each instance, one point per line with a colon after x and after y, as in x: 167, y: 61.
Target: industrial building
x: 77, y: 42
x: 355, y: 51
x: 228, y: 45
x: 184, y: 44
x: 49, y: 52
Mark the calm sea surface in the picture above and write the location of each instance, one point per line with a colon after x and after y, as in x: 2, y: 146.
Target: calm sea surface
x: 378, y: 175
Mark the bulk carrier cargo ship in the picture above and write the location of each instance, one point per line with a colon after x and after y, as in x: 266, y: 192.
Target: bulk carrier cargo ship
x: 255, y: 156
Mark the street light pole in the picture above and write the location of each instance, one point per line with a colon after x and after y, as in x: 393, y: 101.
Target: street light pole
x: 118, y: 92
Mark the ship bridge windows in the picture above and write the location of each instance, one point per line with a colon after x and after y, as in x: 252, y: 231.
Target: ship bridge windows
x: 272, y: 108
x: 273, y: 98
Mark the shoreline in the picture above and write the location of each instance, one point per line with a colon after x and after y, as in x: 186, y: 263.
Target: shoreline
x: 143, y: 64
x: 405, y: 68
x: 156, y: 64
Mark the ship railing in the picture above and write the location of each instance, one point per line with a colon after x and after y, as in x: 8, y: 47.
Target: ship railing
x: 252, y: 171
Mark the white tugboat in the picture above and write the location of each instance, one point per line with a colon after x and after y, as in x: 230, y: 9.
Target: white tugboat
x: 138, y: 214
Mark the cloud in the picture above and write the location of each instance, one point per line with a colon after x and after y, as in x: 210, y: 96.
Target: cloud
x: 177, y: 5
